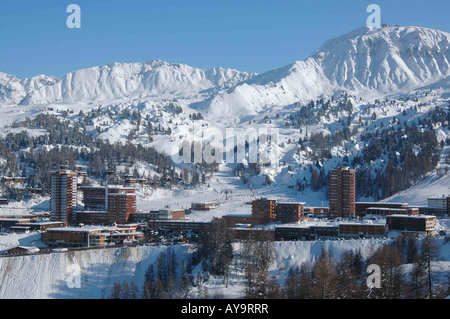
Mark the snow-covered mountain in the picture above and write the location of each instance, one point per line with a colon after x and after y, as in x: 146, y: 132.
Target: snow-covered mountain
x: 386, y: 59
x: 133, y: 80
x: 13, y: 90
x: 302, y: 80
x: 366, y: 61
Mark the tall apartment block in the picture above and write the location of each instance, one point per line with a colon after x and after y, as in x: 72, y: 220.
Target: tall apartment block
x: 263, y: 211
x: 342, y: 192
x: 63, y: 200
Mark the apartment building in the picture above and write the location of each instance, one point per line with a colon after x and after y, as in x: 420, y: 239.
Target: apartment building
x: 90, y: 236
x: 421, y: 223
x: 177, y: 226
x: 235, y: 219
x: 292, y: 232
x: 94, y: 197
x: 263, y: 211
x: 410, y: 211
x: 63, y: 196
x: 357, y: 230
x: 290, y: 212
x: 120, y: 203
x: 360, y: 207
x: 438, y: 203
x: 342, y: 192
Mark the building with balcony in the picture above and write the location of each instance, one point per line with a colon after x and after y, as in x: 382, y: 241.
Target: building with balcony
x: 342, y: 192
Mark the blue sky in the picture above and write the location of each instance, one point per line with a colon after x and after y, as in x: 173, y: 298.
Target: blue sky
x: 246, y: 35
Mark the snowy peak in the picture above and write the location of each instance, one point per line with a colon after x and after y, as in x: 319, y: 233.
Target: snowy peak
x: 13, y: 90
x: 302, y: 80
x: 225, y: 77
x: 133, y: 80
x: 366, y: 60
x: 386, y: 59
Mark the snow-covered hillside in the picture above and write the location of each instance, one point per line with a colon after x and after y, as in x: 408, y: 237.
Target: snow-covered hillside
x: 432, y: 186
x: 359, y: 87
x: 46, y: 276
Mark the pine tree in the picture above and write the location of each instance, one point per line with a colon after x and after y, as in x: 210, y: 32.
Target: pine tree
x: 429, y: 252
x: 323, y: 275
x: 116, y: 291
x: 418, y: 277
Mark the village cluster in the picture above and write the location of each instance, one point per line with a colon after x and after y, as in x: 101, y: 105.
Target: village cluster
x: 109, y: 217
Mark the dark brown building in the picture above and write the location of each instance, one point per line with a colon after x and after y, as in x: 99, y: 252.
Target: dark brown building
x: 245, y: 233
x: 361, y: 229
x: 342, y: 192
x: 139, y: 217
x: 94, y: 196
x: 96, y: 218
x: 121, y: 204
x: 287, y: 233
x: 177, y: 226
x: 263, y: 211
x: 360, y: 207
x: 6, y: 223
x: 234, y: 219
x: 412, y: 223
x: 411, y: 211
x: 290, y: 212
x: 325, y: 231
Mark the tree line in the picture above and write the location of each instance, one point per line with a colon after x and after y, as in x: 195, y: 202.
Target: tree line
x: 407, y: 271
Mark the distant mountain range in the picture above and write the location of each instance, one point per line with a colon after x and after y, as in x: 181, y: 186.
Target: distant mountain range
x: 365, y: 60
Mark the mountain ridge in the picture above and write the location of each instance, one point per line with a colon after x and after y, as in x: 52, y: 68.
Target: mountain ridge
x: 135, y: 80
x: 364, y: 60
